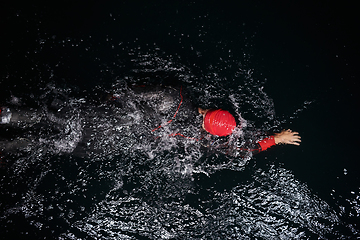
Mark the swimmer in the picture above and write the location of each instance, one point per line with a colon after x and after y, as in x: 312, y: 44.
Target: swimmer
x: 143, y: 105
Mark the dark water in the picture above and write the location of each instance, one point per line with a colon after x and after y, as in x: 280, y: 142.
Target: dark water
x: 90, y: 172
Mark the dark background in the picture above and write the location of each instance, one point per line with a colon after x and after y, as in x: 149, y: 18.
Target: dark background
x: 305, y: 51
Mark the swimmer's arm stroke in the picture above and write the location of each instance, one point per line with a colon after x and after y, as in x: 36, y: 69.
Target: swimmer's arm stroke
x: 287, y: 137
x: 284, y: 137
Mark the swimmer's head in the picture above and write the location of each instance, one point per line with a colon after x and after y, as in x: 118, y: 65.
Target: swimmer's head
x: 217, y: 121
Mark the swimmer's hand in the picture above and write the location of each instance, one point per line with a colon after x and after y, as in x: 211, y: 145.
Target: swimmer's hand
x: 287, y: 137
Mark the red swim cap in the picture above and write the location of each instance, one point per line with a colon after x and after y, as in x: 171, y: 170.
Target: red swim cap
x: 219, y: 122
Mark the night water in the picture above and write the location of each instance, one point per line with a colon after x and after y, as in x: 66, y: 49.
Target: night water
x: 97, y: 157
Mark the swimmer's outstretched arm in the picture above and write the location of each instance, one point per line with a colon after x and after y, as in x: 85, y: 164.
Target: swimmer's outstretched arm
x: 287, y: 137
x: 284, y: 137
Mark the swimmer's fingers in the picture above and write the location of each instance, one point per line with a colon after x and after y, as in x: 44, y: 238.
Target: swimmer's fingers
x: 294, y: 139
x: 295, y: 142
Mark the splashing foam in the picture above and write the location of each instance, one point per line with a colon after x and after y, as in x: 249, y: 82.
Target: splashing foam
x: 128, y: 183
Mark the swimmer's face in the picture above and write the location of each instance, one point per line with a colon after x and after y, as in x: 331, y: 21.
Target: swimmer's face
x: 203, y: 113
